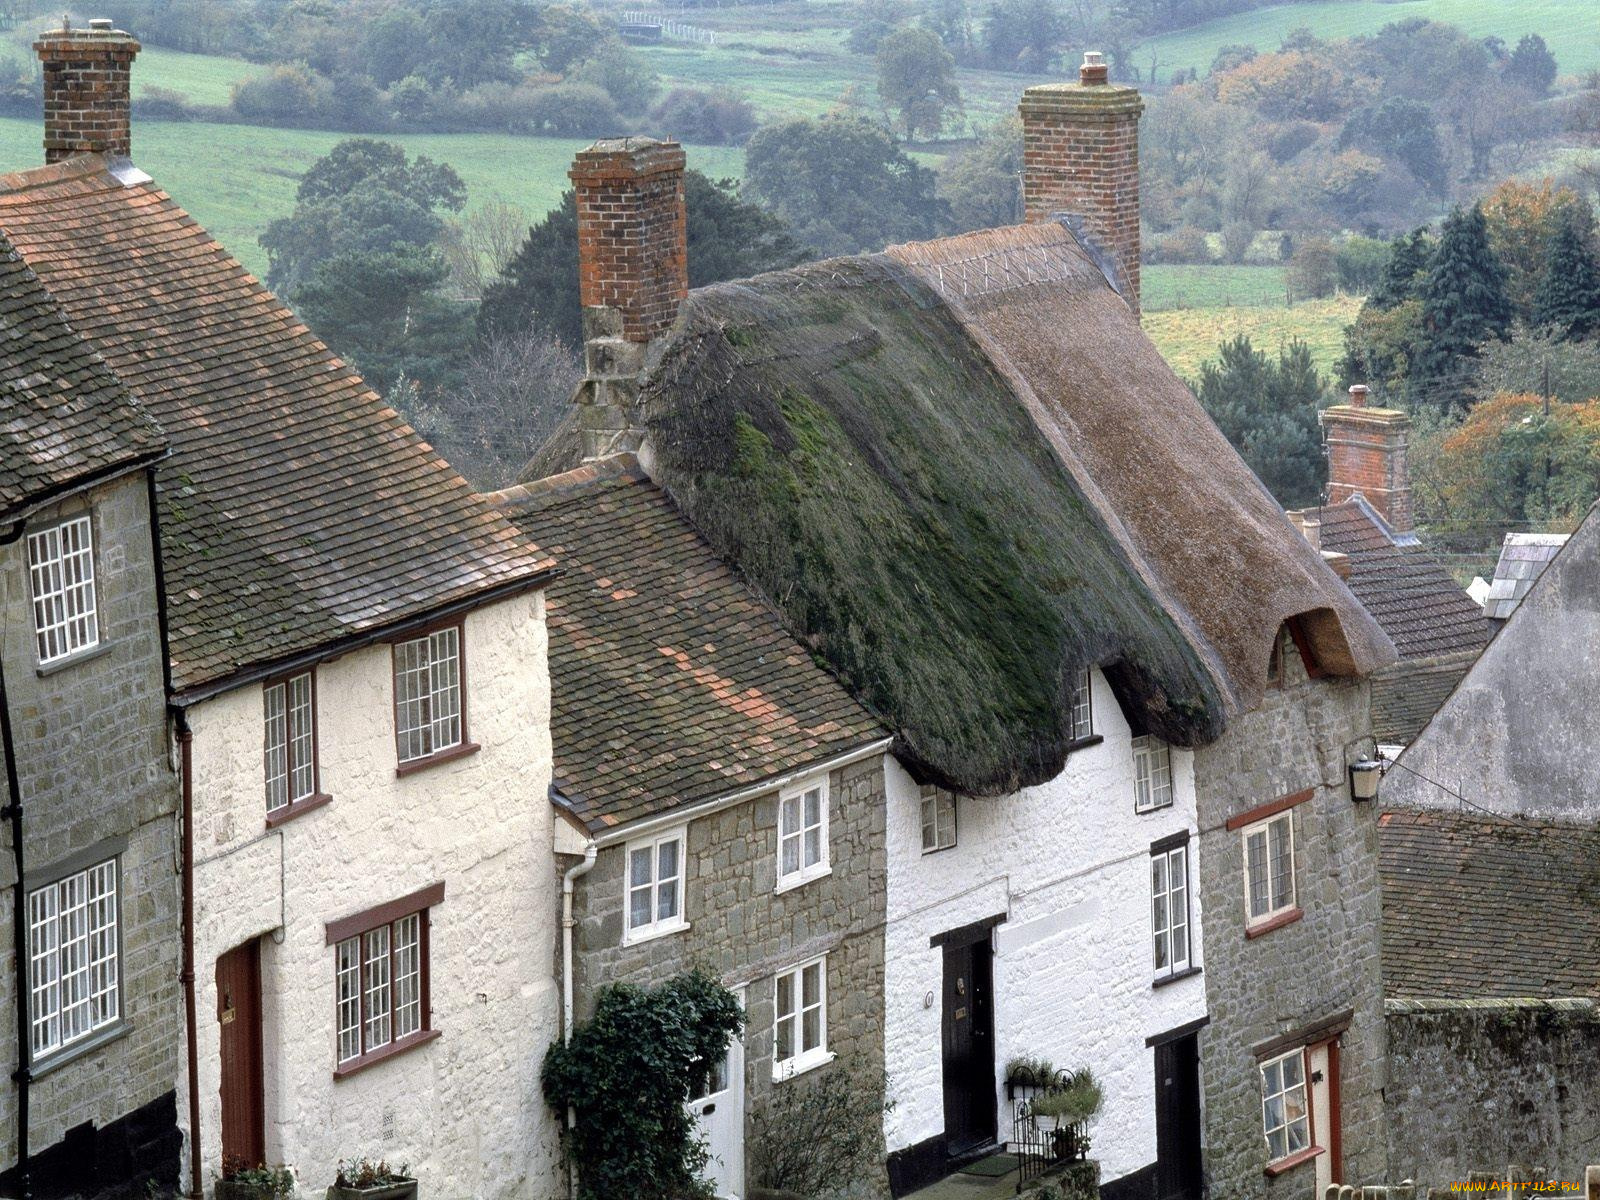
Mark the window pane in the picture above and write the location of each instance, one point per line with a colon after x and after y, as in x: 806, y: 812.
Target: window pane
x: 412, y: 711
x: 445, y: 687
x: 813, y: 847
x: 930, y: 836
x: 376, y: 1001
x: 667, y: 858
x: 1082, y: 724
x: 276, y: 753
x: 61, y: 571
x: 789, y: 816
x: 667, y: 900
x: 44, y: 964
x: 640, y: 867
x: 1293, y: 1071
x: 1277, y: 1144
x: 638, y: 908
x: 813, y: 807
x: 1282, y: 864
x: 1272, y: 1077
x: 348, y: 989
x: 408, y: 975
x: 785, y: 1038
x: 103, y: 981
x: 74, y: 922
x: 811, y: 1029
x: 786, y: 1004
x: 1256, y: 864
x: 302, y: 781
x: 791, y: 855
x: 811, y: 983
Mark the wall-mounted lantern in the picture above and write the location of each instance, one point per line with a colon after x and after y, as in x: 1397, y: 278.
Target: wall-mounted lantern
x: 1364, y: 776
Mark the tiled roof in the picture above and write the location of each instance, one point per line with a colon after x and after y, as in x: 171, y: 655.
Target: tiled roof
x: 64, y: 417
x: 297, y: 508
x: 672, y: 681
x: 1407, y: 694
x: 1419, y: 606
x: 1477, y: 907
x: 1523, y: 558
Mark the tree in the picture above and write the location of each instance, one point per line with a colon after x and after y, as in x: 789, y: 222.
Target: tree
x: 917, y: 76
x: 1522, y: 218
x: 728, y: 238
x: 1288, y: 85
x: 1409, y: 255
x: 1023, y: 35
x: 565, y: 34
x: 1531, y: 65
x: 842, y: 184
x: 1268, y: 411
x: 355, y: 161
x: 622, y: 73
x: 1380, y: 346
x: 694, y: 115
x: 1403, y: 130
x: 1539, y: 362
x: 478, y: 247
x: 1313, y: 268
x: 982, y: 183
x: 1568, y: 295
x: 1463, y: 305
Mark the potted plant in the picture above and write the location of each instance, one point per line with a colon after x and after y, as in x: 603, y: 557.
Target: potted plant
x: 241, y: 1181
x: 372, y: 1179
x: 1066, y: 1109
x: 1028, y: 1072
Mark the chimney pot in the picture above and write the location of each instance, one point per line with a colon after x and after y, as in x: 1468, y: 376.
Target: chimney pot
x: 1094, y: 71
x: 1358, y: 395
x: 100, y: 23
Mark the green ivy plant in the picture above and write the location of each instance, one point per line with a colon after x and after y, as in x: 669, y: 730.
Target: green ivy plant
x: 628, y: 1072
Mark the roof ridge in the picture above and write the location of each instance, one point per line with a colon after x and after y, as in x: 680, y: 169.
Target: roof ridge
x: 79, y: 166
x: 624, y: 466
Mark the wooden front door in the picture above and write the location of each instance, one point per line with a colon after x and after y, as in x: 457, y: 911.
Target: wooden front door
x: 1178, y: 1119
x: 969, y: 1087
x: 1322, y: 1070
x: 239, y: 1024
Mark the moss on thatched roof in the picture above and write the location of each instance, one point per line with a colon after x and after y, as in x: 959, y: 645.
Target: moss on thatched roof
x: 834, y: 431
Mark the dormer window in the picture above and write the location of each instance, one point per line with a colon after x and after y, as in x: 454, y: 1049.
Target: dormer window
x: 1083, y: 708
x: 430, y: 716
x: 61, y: 570
x: 1152, y: 774
x: 289, y: 751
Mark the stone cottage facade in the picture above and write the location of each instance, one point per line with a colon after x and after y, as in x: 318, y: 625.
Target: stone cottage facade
x: 88, y: 1107
x: 722, y: 796
x: 360, y: 707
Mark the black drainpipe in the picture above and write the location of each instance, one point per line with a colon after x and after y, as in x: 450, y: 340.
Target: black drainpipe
x: 19, y: 920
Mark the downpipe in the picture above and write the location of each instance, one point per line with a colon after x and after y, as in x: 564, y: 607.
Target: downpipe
x: 186, y: 976
x: 19, y: 922
x: 568, y: 923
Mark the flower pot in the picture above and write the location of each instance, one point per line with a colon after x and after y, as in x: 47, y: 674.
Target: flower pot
x: 403, y: 1190
x: 232, y: 1189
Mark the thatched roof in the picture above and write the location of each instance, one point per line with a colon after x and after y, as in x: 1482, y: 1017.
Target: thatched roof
x: 963, y: 473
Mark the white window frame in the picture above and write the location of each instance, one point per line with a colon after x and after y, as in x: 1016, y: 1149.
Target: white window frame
x: 61, y: 578
x: 1083, y: 707
x: 1162, y: 925
x: 289, y: 750
x: 1263, y: 828
x: 380, y: 982
x: 1149, y: 754
x: 803, y: 1058
x: 1285, y: 1124
x: 805, y: 872
x: 940, y: 819
x: 657, y: 926
x: 74, y: 946
x: 433, y: 663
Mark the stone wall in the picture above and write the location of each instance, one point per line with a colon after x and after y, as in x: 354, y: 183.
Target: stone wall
x: 94, y: 771
x: 1486, y: 1085
x: 1258, y: 989
x: 744, y: 932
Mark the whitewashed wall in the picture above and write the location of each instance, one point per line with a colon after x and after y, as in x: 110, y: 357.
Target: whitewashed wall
x: 1069, y: 864
x: 464, y: 1110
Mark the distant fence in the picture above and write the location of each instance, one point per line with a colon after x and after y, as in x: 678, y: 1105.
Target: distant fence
x: 677, y: 31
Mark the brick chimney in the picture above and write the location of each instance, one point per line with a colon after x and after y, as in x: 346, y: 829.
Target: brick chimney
x: 1080, y: 155
x: 1367, y: 450
x: 86, y: 90
x: 633, y: 272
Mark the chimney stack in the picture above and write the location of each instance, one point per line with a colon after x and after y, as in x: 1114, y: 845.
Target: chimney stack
x: 1080, y: 155
x: 1367, y: 449
x: 86, y: 90
x: 633, y: 258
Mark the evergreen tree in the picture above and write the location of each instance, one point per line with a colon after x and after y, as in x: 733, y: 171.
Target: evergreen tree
x: 1268, y: 410
x: 1402, y: 274
x: 1464, y: 304
x: 1568, y: 295
x: 1531, y: 65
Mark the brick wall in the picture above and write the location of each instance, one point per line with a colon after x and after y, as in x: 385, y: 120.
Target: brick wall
x: 632, y: 232
x: 1081, y: 155
x: 744, y: 932
x: 1259, y: 989
x: 93, y: 765
x: 86, y: 90
x: 1367, y: 455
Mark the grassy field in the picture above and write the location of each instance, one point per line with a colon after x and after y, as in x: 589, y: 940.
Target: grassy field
x: 1188, y: 337
x: 237, y: 178
x: 1168, y: 287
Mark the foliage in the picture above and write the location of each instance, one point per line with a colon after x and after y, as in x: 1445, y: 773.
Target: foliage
x: 1287, y: 85
x: 917, y: 77
x: 1030, y: 1071
x: 866, y: 37
x: 1522, y: 217
x: 1568, y: 295
x: 369, y: 1172
x: 1268, y: 411
x: 1532, y: 360
x: 573, y: 110
x: 266, y: 1182
x: 1023, y: 35
x: 288, y: 94
x: 842, y: 184
x: 1379, y: 346
x: 1077, y: 1098
x: 357, y: 161
x: 1402, y: 130
x: 728, y: 238
x: 622, y: 73
x: 1360, y: 263
x: 627, y: 1073
x: 1405, y: 270
x: 820, y: 1131
x: 720, y: 116
x: 1464, y: 304
x: 982, y: 182
x: 1314, y: 268
x: 1531, y: 65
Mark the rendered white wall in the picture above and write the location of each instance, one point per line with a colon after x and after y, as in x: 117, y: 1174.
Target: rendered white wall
x: 1069, y: 864
x: 464, y: 1110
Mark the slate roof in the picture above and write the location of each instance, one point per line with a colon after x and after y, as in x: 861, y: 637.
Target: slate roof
x: 673, y: 682
x: 1523, y: 558
x: 297, y: 508
x: 1423, y: 610
x: 64, y: 417
x: 1482, y: 907
x: 1406, y: 695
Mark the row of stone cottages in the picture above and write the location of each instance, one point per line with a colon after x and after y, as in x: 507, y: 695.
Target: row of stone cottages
x: 923, y: 661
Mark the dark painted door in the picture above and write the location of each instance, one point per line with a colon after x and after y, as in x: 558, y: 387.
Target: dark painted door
x: 239, y: 1022
x: 969, y: 1090
x: 1178, y: 1119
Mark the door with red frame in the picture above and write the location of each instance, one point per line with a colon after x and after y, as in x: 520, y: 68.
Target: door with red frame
x: 239, y: 1025
x: 1322, y: 1070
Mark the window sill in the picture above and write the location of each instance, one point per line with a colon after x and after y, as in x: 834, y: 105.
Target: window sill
x: 1284, y: 1165
x: 927, y: 850
x: 1277, y: 922
x: 281, y: 816
x: 450, y: 754
x: 796, y: 1067
x: 651, y: 933
x: 356, y: 1065
x: 80, y: 1049
x: 789, y: 883
x: 1154, y: 808
x: 1083, y: 743
x: 98, y: 650
x: 1174, y: 977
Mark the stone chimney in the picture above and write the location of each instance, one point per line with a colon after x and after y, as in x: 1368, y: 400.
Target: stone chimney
x: 633, y: 272
x: 86, y: 90
x: 1367, y: 450
x: 1080, y: 155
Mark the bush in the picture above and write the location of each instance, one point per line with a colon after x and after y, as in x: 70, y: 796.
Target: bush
x: 621, y: 73
x: 1313, y: 268
x: 291, y: 95
x: 1237, y: 238
x: 573, y: 110
x: 1360, y: 262
x: 821, y: 1132
x: 162, y: 104
x: 1187, y: 244
x: 723, y: 117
